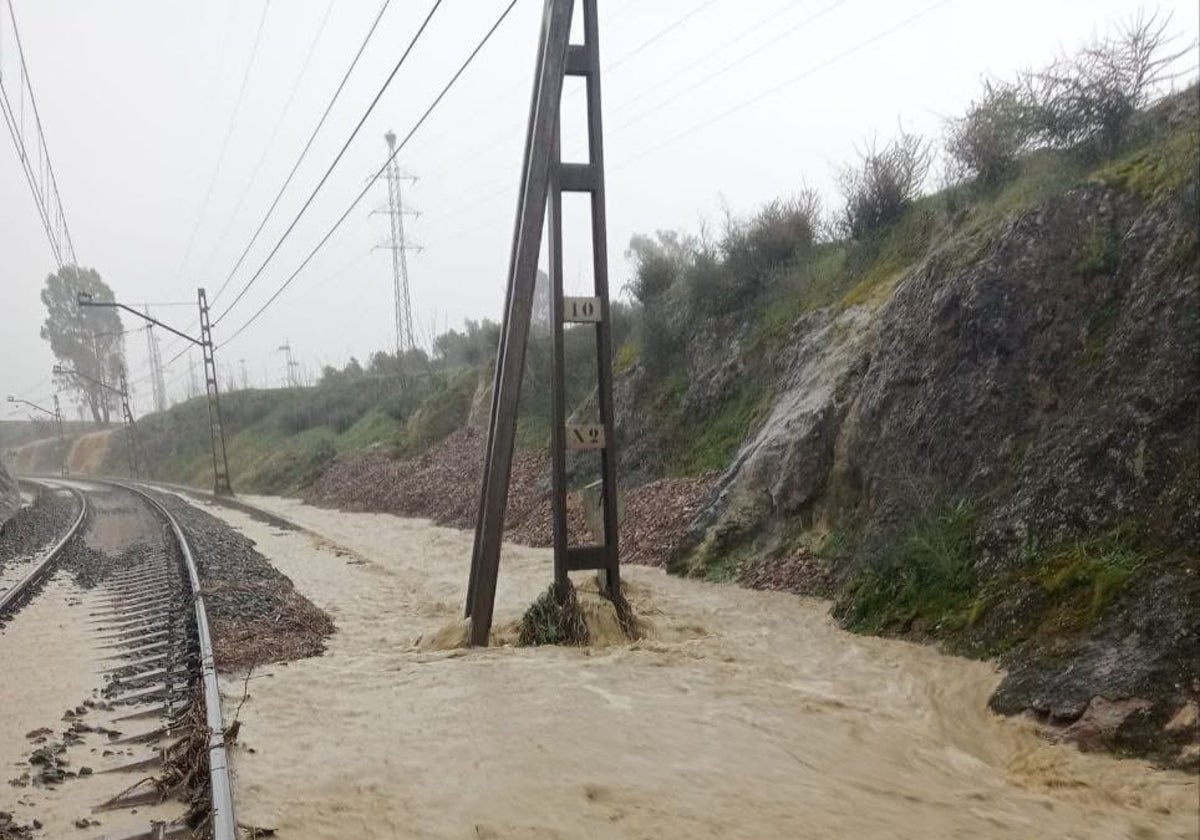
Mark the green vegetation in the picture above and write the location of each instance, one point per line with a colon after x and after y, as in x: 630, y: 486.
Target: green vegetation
x: 925, y: 575
x: 1066, y: 590
x: 1162, y: 166
x: 1099, y: 252
x: 1085, y: 575
x: 85, y: 340
x: 555, y: 618
x: 710, y: 444
x: 280, y: 440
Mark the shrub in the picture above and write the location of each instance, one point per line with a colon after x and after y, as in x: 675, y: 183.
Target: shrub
x: 712, y: 288
x: 885, y: 182
x: 926, y: 573
x: 994, y: 133
x: 658, y: 263
x: 1092, y: 96
x: 660, y: 338
x: 777, y: 234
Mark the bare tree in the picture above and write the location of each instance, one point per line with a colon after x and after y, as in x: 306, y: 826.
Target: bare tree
x: 1092, y: 96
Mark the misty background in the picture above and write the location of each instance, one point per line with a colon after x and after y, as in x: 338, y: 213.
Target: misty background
x: 166, y: 163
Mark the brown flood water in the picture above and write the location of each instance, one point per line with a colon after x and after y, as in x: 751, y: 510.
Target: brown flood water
x: 744, y: 715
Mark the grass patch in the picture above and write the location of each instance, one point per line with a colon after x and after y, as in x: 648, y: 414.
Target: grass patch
x: 927, y: 575
x: 1163, y: 166
x: 442, y: 412
x: 1098, y: 253
x: 555, y: 618
x: 711, y: 444
x: 374, y: 427
x: 1087, y: 575
x: 627, y: 356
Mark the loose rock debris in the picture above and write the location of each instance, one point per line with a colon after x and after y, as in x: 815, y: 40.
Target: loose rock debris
x: 37, y: 526
x: 443, y: 485
x: 257, y: 616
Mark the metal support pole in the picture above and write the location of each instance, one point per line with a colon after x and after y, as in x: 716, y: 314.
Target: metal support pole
x: 545, y: 179
x: 510, y: 359
x: 221, y: 485
x: 587, y: 313
x: 131, y: 441
x: 62, y: 438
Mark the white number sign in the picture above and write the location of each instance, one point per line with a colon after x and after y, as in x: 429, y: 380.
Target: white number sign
x: 581, y: 310
x: 585, y: 438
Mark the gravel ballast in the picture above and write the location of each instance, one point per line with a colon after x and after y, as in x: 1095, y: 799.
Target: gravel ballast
x: 37, y: 526
x: 257, y: 616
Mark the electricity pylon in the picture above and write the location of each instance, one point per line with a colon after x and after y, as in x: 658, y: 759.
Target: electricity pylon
x: 399, y: 246
x: 158, y: 385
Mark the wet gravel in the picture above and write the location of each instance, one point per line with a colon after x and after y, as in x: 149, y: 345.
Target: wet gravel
x: 257, y: 616
x: 37, y: 526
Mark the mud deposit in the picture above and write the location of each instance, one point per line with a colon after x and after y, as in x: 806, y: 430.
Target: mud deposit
x: 62, y: 742
x: 743, y: 715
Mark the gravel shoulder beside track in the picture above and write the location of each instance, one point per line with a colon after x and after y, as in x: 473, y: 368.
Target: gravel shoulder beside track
x: 36, y: 526
x: 257, y: 616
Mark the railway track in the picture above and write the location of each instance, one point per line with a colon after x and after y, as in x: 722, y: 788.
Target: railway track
x: 157, y: 700
x: 19, y: 582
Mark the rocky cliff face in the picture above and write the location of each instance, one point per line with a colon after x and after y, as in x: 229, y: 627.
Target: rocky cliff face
x: 1043, y: 377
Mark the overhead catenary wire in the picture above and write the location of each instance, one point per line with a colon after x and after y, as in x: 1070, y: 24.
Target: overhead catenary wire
x: 723, y: 69
x: 329, y: 171
x: 52, y: 216
x: 303, y: 152
x: 371, y: 182
x: 237, y: 106
x: 503, y: 189
x: 287, y: 107
x: 607, y: 68
x: 771, y: 91
x: 14, y: 132
x: 739, y: 106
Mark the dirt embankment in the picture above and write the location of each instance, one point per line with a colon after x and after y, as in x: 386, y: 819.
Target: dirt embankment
x: 80, y: 454
x: 443, y: 485
x: 10, y: 495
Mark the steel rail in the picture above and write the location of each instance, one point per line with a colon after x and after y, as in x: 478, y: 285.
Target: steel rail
x: 22, y: 586
x: 223, y: 825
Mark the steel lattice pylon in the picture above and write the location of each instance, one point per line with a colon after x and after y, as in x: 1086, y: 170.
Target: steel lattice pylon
x: 405, y: 339
x: 158, y: 385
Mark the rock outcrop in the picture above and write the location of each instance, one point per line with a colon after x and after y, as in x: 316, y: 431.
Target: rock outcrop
x: 1047, y: 374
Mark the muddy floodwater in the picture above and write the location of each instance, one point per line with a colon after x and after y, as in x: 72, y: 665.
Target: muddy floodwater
x: 743, y: 715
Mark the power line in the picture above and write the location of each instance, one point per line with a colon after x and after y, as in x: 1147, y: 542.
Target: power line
x: 862, y: 45
x: 304, y: 152
x: 241, y: 202
x: 654, y: 109
x: 506, y: 188
x: 304, y: 208
x: 52, y: 217
x: 608, y: 68
x: 41, y: 132
x: 27, y: 170
x: 237, y: 106
x: 320, y: 244
x: 458, y: 233
x: 660, y: 35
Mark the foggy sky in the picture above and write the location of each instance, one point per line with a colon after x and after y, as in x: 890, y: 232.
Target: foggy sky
x: 137, y: 96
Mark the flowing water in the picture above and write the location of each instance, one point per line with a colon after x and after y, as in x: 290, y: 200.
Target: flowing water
x: 742, y: 715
